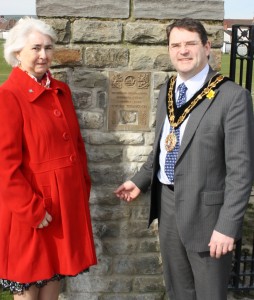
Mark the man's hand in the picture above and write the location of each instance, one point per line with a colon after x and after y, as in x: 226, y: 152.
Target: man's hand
x: 128, y: 191
x: 220, y: 244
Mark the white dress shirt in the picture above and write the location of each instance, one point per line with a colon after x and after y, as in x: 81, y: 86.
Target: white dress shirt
x: 193, y: 85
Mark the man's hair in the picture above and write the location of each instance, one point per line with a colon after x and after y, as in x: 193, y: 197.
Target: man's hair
x: 190, y: 25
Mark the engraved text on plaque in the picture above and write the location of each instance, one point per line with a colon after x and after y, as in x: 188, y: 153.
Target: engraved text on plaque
x: 129, y: 101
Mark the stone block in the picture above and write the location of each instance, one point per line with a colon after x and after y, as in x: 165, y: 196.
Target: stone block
x: 215, y: 34
x: 120, y: 246
x: 171, y: 9
x: 97, y: 284
x: 82, y: 99
x: 84, y: 8
x: 78, y: 296
x: 97, y: 31
x: 137, y: 246
x: 150, y: 58
x: 159, y: 79
x: 103, y: 154
x: 148, y: 284
x: 140, y: 212
x: 109, y: 213
x: 101, y: 99
x: 84, y: 78
x: 136, y: 296
x: 141, y: 264
x: 67, y: 56
x: 106, y: 57
x: 138, y: 229
x: 137, y: 154
x: 106, y: 229
x: 111, y: 174
x: 91, y: 120
x: 59, y: 75
x: 118, y: 138
x: 104, y: 266
x: 215, y: 59
x: 62, y: 28
x: 103, y: 196
x: 149, y: 138
x: 145, y: 33
x: 149, y: 245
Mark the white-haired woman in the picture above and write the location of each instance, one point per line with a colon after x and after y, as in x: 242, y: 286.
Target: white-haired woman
x: 45, y: 225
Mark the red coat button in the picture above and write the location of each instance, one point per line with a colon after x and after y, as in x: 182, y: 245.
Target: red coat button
x: 73, y: 158
x: 57, y: 113
x: 66, y: 136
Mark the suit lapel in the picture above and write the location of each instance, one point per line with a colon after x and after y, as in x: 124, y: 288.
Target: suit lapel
x: 195, y: 118
x: 161, y: 113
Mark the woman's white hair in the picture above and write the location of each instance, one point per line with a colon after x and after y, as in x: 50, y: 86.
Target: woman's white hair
x: 17, y: 37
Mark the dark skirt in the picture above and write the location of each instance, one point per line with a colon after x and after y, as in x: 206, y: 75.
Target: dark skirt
x: 19, y: 288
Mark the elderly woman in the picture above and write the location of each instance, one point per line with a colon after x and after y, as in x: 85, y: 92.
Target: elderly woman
x: 45, y: 225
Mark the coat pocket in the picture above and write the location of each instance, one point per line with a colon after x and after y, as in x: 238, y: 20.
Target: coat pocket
x: 213, y: 198
x: 47, y: 198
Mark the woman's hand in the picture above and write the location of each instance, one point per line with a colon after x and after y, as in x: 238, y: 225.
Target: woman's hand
x: 45, y: 222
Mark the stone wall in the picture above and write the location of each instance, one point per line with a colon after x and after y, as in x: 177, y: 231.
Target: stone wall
x: 94, y: 38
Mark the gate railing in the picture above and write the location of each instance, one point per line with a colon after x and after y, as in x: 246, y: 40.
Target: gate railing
x: 242, y: 51
x: 242, y: 275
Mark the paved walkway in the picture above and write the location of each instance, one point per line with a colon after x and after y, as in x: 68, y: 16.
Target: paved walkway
x: 237, y: 296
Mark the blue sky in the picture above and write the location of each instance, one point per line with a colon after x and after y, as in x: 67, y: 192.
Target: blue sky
x: 17, y: 7
x: 234, y: 9
x: 239, y: 9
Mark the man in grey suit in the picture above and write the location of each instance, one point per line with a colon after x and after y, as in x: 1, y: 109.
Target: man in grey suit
x: 200, y: 169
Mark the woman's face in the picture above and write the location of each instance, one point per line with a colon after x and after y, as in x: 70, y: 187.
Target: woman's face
x: 37, y: 54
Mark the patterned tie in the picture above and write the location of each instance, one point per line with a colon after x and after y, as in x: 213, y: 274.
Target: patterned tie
x: 171, y: 156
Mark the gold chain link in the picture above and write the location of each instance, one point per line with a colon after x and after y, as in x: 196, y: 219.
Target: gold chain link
x: 212, y: 84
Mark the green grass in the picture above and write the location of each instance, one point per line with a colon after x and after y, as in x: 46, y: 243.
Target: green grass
x: 5, y: 296
x: 225, y: 67
x: 4, y: 68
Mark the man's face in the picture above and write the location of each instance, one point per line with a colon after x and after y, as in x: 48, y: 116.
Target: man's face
x: 187, y: 53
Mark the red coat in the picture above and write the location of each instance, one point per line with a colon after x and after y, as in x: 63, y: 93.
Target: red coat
x: 42, y: 167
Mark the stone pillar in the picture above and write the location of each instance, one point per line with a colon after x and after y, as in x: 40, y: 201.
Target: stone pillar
x: 95, y: 38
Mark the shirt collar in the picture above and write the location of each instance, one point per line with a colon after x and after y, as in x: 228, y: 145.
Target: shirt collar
x: 195, y: 83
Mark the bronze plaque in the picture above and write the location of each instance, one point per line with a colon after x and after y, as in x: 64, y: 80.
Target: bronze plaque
x: 129, y: 100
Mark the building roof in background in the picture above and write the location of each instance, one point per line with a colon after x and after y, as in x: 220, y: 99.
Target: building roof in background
x: 228, y: 23
x: 6, y: 25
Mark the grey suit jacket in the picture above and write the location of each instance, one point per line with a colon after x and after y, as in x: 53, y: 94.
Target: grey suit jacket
x: 215, y: 166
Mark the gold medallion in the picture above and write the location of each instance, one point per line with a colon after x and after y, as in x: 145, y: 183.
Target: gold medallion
x: 170, y: 141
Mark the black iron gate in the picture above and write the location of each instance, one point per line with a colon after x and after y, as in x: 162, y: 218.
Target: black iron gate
x: 241, y: 66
